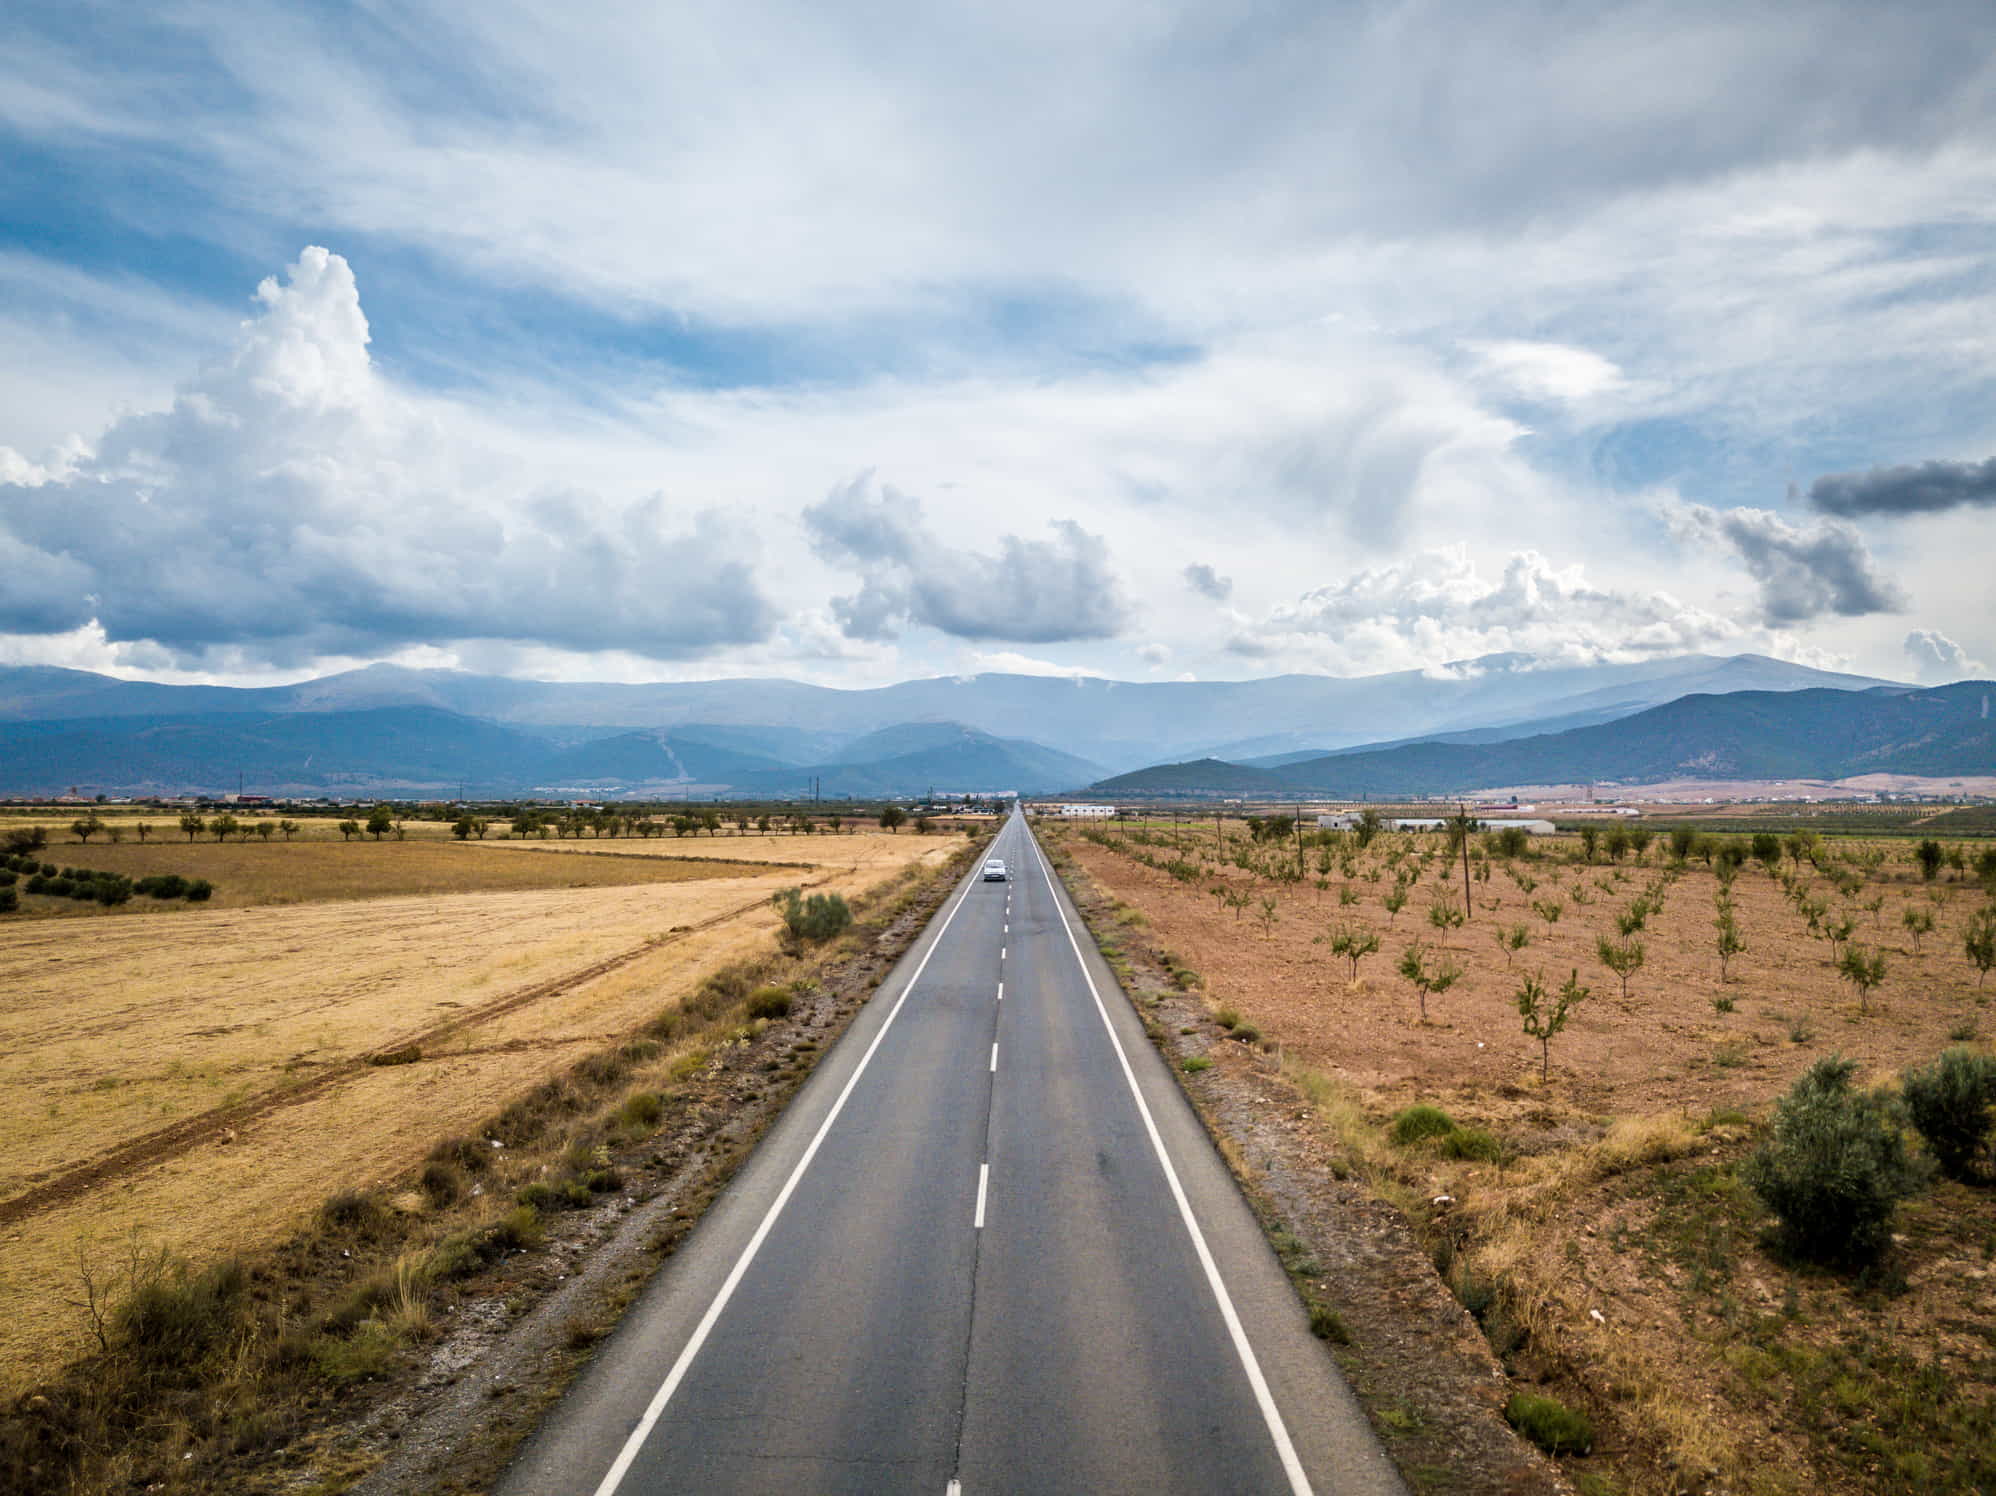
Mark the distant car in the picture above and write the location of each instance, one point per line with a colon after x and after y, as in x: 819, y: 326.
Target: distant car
x: 994, y: 871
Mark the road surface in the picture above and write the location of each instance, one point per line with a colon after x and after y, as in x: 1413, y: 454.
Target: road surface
x: 987, y: 1249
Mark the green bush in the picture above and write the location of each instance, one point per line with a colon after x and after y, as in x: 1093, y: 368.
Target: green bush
x: 1418, y: 1123
x: 1471, y: 1143
x: 1247, y: 1033
x: 9, y: 901
x: 642, y: 1110
x: 1194, y: 1064
x: 1835, y: 1168
x: 1950, y: 1105
x: 1549, y: 1423
x: 199, y: 891
x: 441, y: 1181
x: 769, y: 1002
x: 820, y: 916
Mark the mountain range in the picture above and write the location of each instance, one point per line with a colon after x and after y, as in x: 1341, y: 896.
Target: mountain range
x: 389, y: 730
x: 1810, y: 734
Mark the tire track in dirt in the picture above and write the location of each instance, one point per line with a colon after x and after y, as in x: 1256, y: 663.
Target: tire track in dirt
x: 177, y: 1137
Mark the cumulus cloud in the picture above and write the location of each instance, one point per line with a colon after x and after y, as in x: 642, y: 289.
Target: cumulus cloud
x: 1031, y: 591
x: 1439, y: 607
x: 1207, y: 582
x: 291, y: 504
x: 1938, y: 659
x: 1919, y: 488
x: 1804, y: 572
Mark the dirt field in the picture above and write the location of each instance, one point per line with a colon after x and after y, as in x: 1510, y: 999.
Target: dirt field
x: 198, y: 1079
x: 1613, y: 1226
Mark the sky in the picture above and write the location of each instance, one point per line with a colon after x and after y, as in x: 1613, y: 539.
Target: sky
x: 853, y: 343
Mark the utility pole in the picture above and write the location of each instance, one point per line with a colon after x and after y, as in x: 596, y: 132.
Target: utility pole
x: 1467, y: 905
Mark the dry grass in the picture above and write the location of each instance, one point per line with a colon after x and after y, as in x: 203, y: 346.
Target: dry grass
x: 252, y: 874
x: 112, y: 1029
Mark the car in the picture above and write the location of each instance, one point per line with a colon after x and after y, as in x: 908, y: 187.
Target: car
x: 994, y: 871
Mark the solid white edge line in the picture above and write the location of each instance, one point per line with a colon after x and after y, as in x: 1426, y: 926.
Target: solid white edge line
x: 1299, y: 1482
x: 983, y: 1182
x: 635, y: 1442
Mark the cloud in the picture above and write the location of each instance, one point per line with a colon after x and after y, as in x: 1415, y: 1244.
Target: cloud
x: 1546, y: 371
x: 1938, y: 659
x: 1804, y: 572
x: 1920, y: 488
x: 1439, y: 607
x: 1031, y: 591
x: 292, y: 504
x: 1010, y: 662
x: 1207, y: 582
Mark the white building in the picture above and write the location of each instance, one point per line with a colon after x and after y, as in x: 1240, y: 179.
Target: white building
x: 1085, y: 812
x: 1343, y: 820
x: 1530, y: 826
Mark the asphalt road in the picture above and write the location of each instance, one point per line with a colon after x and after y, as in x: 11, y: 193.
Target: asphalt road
x: 961, y: 1263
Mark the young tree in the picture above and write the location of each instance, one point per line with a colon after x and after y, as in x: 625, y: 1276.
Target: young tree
x: 1414, y: 967
x: 1624, y: 959
x: 893, y: 818
x: 144, y: 829
x: 87, y: 827
x: 461, y: 827
x: 1395, y: 902
x: 1929, y: 855
x: 1545, y: 1016
x: 1864, y: 970
x: 263, y: 830
x: 225, y: 826
x: 380, y: 821
x: 1978, y: 941
x: 1549, y: 910
x: 1266, y: 913
x: 1369, y: 826
x: 1445, y: 915
x: 349, y: 830
x: 1513, y: 940
x: 1918, y: 922
x: 1731, y: 942
x: 1590, y: 841
x: 289, y: 828
x: 1354, y: 945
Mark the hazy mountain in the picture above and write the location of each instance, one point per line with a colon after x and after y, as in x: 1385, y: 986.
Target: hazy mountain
x: 1205, y: 776
x: 1117, y: 723
x: 939, y: 756
x: 1814, y: 734
x: 649, y: 757
x: 384, y: 751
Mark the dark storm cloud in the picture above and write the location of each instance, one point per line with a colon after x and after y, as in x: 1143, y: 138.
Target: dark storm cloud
x: 1804, y: 572
x: 1919, y: 488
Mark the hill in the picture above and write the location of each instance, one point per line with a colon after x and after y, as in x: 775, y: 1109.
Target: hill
x: 1205, y: 776
x: 1744, y: 735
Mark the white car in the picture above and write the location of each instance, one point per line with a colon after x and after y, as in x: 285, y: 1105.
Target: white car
x: 994, y: 870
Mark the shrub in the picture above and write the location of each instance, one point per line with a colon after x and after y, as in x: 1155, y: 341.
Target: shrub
x: 1227, y: 1018
x: 1418, y: 1123
x: 350, y: 1210
x: 819, y: 916
x: 441, y: 1182
x: 1471, y: 1143
x: 642, y: 1110
x: 468, y: 1154
x: 162, y: 886
x: 769, y: 1002
x: 9, y: 901
x: 519, y: 1228
x: 199, y: 891
x: 1247, y: 1033
x: 1835, y: 1168
x: 1949, y: 1102
x: 175, y: 1318
x: 1549, y: 1423
x: 1194, y: 1064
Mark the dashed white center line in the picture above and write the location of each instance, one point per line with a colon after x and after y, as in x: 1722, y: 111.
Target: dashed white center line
x: 983, y: 1182
x: 994, y: 1059
x: 1001, y: 953
x: 1001, y: 992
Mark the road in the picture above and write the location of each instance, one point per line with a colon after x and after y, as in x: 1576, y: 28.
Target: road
x: 988, y: 1248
